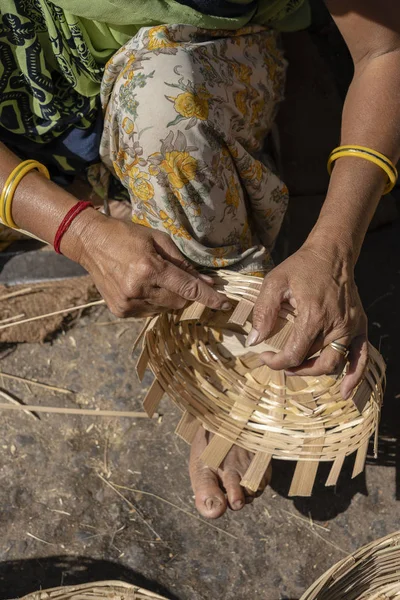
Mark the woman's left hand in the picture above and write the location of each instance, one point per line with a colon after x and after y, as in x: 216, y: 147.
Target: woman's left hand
x: 319, y: 284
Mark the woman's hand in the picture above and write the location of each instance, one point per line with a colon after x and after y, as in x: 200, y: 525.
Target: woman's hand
x: 138, y: 271
x: 320, y: 285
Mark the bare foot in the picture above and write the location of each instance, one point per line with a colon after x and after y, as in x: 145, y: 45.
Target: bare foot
x: 215, y: 491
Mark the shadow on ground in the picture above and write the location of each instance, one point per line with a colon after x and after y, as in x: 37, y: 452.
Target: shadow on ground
x: 21, y: 577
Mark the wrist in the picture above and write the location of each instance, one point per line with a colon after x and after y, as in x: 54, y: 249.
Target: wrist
x: 78, y: 240
x: 333, y: 243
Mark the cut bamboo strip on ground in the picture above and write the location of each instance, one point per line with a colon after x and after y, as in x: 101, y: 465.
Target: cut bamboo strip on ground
x: 88, y: 412
x: 199, y: 359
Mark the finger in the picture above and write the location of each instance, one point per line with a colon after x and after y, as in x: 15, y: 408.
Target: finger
x: 297, y: 348
x: 190, y: 288
x: 266, y: 309
x: 329, y: 362
x: 234, y: 491
x: 164, y: 298
x: 166, y: 248
x: 135, y: 308
x: 358, y: 360
x: 209, y: 497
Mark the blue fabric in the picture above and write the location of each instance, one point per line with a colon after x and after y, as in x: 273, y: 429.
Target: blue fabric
x: 65, y: 156
x: 220, y: 8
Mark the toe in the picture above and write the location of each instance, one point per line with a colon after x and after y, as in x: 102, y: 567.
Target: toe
x: 210, y: 499
x: 234, y: 491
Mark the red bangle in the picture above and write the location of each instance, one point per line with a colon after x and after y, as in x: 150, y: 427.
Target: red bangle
x: 66, y: 222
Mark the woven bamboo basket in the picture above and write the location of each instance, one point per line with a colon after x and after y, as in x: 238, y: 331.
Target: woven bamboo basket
x: 372, y: 572
x: 199, y: 358
x: 103, y: 590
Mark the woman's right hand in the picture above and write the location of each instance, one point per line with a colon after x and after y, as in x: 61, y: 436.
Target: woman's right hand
x: 138, y: 271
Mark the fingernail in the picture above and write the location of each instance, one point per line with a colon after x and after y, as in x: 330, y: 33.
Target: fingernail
x: 226, y: 306
x: 206, y: 278
x: 238, y: 504
x: 252, y: 338
x: 212, y: 503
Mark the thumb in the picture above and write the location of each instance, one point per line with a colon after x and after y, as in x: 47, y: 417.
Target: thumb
x: 168, y: 250
x: 266, y: 309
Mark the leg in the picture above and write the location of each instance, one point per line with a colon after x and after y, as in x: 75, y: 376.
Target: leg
x: 187, y: 112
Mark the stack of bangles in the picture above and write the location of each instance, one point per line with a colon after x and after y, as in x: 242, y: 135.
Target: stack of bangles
x: 25, y: 167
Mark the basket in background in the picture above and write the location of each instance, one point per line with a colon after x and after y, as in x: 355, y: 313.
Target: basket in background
x: 370, y: 573
x: 103, y: 590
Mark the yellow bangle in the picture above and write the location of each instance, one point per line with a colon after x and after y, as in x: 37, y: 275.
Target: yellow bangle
x: 11, y: 185
x: 372, y: 156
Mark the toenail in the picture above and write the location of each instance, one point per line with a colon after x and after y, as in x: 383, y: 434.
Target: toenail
x: 212, y: 503
x: 238, y: 504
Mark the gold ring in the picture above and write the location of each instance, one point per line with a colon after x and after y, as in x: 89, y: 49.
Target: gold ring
x: 341, y: 348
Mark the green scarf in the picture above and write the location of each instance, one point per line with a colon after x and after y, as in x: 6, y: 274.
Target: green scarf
x: 140, y: 13
x: 53, y: 52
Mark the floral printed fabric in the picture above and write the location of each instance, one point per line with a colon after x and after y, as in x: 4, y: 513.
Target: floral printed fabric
x: 186, y: 115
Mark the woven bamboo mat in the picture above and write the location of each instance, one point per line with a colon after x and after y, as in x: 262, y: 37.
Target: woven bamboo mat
x: 40, y: 299
x: 105, y: 590
x: 199, y: 359
x: 371, y: 573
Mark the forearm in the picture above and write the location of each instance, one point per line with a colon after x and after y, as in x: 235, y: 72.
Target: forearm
x: 39, y: 206
x: 371, y: 117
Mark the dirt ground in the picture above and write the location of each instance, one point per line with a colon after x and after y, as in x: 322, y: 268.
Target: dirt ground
x: 63, y: 520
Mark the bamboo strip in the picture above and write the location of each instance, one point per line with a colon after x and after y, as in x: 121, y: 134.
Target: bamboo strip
x: 360, y: 459
x: 193, y: 312
x: 45, y: 386
x: 242, y: 312
x: 142, y: 363
x: 153, y: 398
x: 63, y: 311
x: 187, y: 427
x: 14, y: 318
x: 335, y: 471
x: 305, y: 472
x: 256, y: 471
x: 91, y: 412
x: 17, y: 293
x: 216, y: 451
